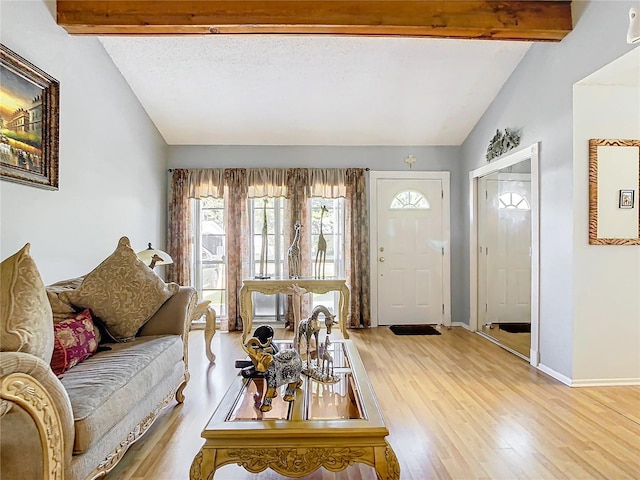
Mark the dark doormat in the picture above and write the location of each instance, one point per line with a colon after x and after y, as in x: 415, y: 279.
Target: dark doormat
x: 414, y: 330
x: 516, y: 327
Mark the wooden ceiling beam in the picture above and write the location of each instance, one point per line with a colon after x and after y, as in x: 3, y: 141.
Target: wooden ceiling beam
x: 541, y: 20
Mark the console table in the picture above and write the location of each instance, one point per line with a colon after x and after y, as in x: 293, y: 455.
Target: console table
x: 271, y: 286
x: 326, y: 425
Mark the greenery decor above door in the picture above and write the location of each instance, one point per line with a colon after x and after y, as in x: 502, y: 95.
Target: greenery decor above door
x: 501, y: 143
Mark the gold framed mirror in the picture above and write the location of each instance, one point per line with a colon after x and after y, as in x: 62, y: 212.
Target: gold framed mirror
x: 614, y: 188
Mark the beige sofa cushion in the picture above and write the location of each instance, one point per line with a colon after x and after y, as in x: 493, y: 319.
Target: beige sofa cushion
x: 26, y: 321
x: 104, y: 387
x: 122, y: 292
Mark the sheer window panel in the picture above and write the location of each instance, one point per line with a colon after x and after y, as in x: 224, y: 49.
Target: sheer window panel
x: 210, y: 252
x: 333, y: 233
x: 267, y: 307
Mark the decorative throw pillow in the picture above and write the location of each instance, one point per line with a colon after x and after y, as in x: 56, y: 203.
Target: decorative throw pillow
x: 74, y: 342
x: 122, y: 292
x: 25, y: 314
x: 61, y: 309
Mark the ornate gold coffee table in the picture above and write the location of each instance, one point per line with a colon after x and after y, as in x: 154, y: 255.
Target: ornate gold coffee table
x: 327, y: 425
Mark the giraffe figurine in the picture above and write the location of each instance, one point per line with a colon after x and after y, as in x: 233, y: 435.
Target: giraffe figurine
x: 327, y: 360
x: 264, y: 252
x: 294, y: 253
x: 321, y: 253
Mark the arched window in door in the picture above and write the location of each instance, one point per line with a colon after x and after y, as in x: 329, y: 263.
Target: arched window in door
x: 409, y: 199
x: 513, y: 201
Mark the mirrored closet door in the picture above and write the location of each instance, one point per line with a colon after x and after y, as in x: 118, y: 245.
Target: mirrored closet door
x: 504, y: 214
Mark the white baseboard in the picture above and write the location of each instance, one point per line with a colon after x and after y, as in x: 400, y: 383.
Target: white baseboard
x: 606, y: 382
x: 590, y: 382
x: 554, y: 374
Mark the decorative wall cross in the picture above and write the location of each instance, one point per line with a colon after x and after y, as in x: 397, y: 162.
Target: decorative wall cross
x: 410, y: 160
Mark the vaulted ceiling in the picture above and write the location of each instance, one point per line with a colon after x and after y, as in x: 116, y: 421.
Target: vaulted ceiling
x: 306, y: 72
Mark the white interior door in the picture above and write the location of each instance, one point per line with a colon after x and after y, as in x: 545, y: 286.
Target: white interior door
x: 506, y: 248
x: 411, y: 247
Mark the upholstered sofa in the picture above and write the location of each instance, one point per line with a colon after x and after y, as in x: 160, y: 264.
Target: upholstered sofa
x: 78, y: 423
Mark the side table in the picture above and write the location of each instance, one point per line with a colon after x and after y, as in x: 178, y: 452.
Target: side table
x: 204, y: 308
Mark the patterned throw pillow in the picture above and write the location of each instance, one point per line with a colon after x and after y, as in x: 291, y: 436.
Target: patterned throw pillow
x: 62, y: 310
x: 74, y: 342
x: 25, y: 314
x: 122, y: 292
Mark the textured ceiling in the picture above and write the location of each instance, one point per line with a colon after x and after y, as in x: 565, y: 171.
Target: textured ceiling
x: 313, y: 90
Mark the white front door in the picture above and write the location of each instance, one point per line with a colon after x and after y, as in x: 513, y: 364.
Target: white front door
x: 410, y: 247
x: 506, y: 244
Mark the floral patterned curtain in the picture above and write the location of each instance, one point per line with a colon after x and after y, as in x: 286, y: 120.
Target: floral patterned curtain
x: 179, y: 231
x: 237, y: 231
x: 296, y: 209
x: 357, y: 248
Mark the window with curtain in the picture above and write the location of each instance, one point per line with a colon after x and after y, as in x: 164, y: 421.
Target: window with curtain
x: 216, y: 221
x: 210, y: 242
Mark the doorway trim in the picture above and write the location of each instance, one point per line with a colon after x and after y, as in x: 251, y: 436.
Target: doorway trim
x: 529, y: 153
x: 446, y: 232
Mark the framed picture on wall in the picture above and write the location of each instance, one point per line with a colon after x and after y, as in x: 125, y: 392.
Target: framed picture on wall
x: 626, y: 199
x: 29, y: 122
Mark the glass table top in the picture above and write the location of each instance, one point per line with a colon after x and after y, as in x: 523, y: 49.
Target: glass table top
x: 318, y: 400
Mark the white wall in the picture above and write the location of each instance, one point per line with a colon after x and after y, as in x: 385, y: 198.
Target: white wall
x: 538, y: 98
x: 112, y: 158
x: 606, y: 334
x: 373, y: 157
x: 376, y: 158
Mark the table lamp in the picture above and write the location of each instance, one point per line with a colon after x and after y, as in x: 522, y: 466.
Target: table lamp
x: 153, y: 257
x: 633, y: 34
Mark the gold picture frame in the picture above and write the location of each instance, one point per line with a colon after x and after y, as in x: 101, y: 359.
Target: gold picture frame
x: 614, y: 181
x: 29, y: 122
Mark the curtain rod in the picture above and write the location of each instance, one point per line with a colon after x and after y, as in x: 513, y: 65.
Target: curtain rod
x: 366, y: 168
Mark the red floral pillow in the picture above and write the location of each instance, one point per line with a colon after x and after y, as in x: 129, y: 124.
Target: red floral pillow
x: 74, y: 341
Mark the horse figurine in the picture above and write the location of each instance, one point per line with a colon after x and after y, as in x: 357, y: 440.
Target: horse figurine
x: 311, y: 327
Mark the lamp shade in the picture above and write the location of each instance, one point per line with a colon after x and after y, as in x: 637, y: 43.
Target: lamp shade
x: 633, y: 34
x: 152, y: 257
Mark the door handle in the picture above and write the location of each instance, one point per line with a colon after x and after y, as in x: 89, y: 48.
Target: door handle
x: 381, y: 259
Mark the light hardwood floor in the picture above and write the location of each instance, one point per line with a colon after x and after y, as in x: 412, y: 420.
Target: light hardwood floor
x: 456, y: 405
x: 519, y: 342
